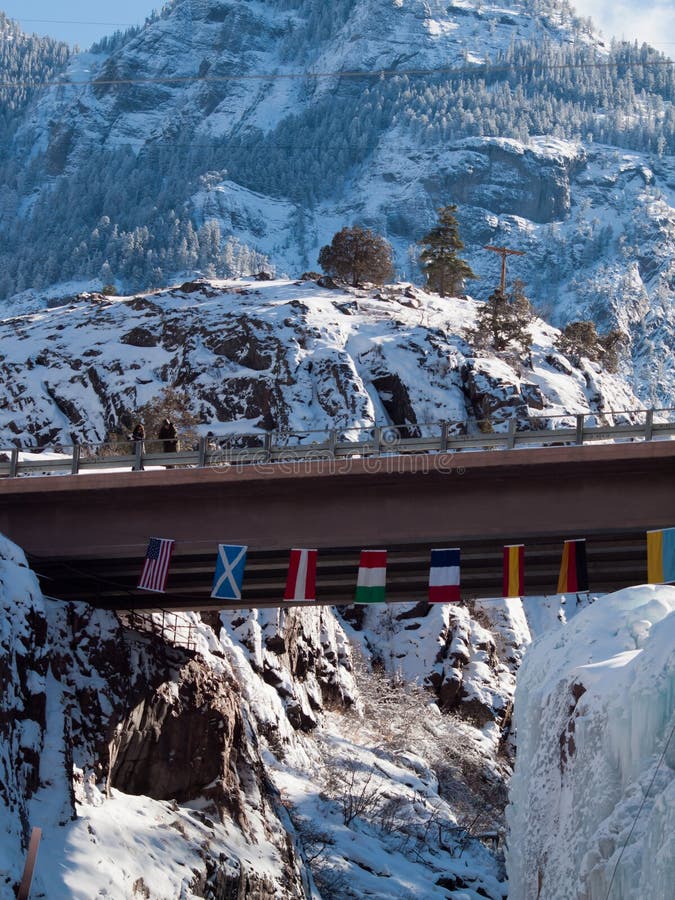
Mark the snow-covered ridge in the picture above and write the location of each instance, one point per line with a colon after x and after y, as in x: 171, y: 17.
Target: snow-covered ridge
x: 252, y: 355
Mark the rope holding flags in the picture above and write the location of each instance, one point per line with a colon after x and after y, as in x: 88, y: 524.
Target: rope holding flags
x: 513, y: 580
x: 661, y: 556
x: 444, y: 570
x: 573, y: 576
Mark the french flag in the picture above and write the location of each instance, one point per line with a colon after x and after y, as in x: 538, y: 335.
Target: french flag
x: 301, y: 581
x: 444, y: 576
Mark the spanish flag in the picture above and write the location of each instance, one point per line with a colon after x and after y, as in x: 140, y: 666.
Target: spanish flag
x: 661, y: 556
x: 573, y: 569
x: 514, y: 571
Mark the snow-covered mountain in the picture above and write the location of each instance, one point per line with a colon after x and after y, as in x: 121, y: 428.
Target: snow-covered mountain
x: 253, y: 355
x: 228, y: 131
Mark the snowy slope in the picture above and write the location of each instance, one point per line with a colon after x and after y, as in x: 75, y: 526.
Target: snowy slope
x: 592, y: 801
x: 280, y: 355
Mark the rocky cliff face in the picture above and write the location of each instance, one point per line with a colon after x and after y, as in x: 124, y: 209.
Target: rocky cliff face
x: 285, y: 356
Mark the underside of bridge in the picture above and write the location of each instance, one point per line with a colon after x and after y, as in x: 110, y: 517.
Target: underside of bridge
x: 86, y: 534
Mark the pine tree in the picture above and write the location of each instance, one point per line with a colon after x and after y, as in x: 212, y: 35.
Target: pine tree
x: 357, y: 254
x: 504, y: 320
x: 444, y: 271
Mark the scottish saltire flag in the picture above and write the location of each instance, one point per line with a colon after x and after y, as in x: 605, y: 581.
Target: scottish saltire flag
x: 301, y: 581
x: 514, y: 571
x: 661, y: 556
x: 444, y: 576
x: 370, y: 586
x: 573, y: 568
x: 156, y: 565
x: 229, y: 575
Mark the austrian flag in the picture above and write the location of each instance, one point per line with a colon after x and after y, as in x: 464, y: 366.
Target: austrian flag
x: 301, y: 581
x: 444, y: 576
x: 370, y: 586
x: 156, y: 566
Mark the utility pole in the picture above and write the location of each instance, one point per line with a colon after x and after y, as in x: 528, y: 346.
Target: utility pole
x: 504, y: 252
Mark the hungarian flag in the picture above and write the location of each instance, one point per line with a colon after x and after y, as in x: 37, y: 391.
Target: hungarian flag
x: 514, y: 571
x: 301, y: 581
x: 370, y: 586
x: 156, y: 565
x: 573, y: 569
x: 444, y: 576
x: 661, y: 556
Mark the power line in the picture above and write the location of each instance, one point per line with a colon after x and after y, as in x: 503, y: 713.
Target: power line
x: 480, y: 69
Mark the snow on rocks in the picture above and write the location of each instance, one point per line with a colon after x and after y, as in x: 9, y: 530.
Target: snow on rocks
x: 592, y: 801
x: 279, y: 355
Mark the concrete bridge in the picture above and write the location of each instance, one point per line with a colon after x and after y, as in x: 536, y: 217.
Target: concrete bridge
x: 87, y: 535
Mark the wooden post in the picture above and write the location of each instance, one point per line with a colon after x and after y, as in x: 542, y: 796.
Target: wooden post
x: 444, y: 437
x: 511, y: 438
x: 504, y: 252
x: 24, y: 887
x: 332, y: 441
x: 14, y: 462
x: 202, y: 452
x: 267, y: 445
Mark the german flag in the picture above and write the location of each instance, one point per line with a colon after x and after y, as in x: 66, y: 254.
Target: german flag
x: 573, y: 576
x: 514, y: 571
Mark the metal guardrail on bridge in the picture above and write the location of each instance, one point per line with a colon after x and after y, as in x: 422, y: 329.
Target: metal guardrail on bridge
x: 277, y: 447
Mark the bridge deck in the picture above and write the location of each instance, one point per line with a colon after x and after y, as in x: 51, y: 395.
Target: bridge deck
x: 89, y: 534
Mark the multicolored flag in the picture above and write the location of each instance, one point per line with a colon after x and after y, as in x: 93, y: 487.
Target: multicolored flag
x: 661, y: 556
x: 513, y: 582
x: 370, y: 586
x: 301, y: 581
x: 573, y: 576
x: 156, y: 566
x: 229, y: 575
x: 444, y: 576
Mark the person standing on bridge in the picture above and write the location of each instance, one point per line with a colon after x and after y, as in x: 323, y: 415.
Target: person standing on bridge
x: 138, y: 435
x: 169, y: 436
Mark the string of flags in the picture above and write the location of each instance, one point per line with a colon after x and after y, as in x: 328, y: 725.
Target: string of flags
x: 444, y: 570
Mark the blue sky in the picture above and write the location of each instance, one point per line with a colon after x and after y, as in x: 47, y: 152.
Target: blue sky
x: 649, y: 20
x: 76, y: 15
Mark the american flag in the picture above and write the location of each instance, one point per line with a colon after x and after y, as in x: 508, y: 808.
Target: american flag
x: 156, y: 567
